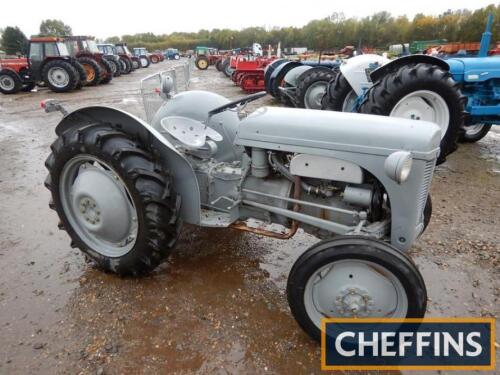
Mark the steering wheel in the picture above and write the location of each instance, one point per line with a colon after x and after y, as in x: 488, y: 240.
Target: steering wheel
x: 235, y: 103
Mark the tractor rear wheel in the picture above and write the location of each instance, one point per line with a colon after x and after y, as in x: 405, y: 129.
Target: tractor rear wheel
x: 420, y: 92
x: 125, y: 65
x: 339, y: 96
x: 10, y: 82
x: 154, y: 59
x: 107, y: 70
x: 115, y: 67
x: 93, y: 70
x: 115, y: 200
x: 474, y: 133
x: 136, y: 64
x: 60, y: 76
x: 218, y: 65
x: 311, y: 87
x: 202, y: 62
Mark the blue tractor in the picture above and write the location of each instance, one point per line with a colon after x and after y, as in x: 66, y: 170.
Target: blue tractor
x: 422, y: 87
x: 172, y: 54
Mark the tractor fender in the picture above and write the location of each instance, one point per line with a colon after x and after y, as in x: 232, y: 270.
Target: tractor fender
x: 356, y: 69
x: 393, y: 65
x: 4, y: 69
x: 279, y: 74
x: 292, y: 76
x: 183, y: 176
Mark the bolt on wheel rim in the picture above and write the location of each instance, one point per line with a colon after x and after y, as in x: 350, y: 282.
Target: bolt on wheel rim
x: 354, y: 288
x: 424, y: 105
x: 314, y: 94
x: 7, y: 83
x: 98, y: 206
x: 58, y: 77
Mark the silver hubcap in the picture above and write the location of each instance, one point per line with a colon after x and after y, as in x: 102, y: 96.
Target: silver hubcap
x: 58, y: 77
x: 314, y: 94
x: 424, y: 105
x: 98, y: 206
x: 472, y: 130
x: 7, y: 82
x: 354, y: 288
x: 350, y: 102
x: 144, y: 62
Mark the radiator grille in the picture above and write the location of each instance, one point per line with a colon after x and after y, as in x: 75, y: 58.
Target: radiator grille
x: 424, y: 190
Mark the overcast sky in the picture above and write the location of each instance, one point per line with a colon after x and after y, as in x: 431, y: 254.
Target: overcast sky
x: 103, y: 18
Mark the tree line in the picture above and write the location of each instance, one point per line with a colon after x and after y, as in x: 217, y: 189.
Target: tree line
x: 333, y: 32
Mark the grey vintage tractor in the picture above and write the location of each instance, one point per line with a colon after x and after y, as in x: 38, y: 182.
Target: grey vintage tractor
x: 122, y: 188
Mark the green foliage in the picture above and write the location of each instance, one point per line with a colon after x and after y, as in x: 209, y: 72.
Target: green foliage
x: 335, y: 31
x: 14, y: 41
x: 54, y: 28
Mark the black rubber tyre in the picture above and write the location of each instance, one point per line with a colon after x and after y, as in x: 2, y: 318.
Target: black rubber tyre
x: 471, y: 137
x: 93, y: 70
x: 136, y: 64
x: 218, y: 65
x: 107, y: 71
x: 28, y: 87
x: 144, y: 61
x: 81, y: 73
x: 336, y: 93
x: 309, y: 78
x: 14, y: 82
x: 226, y: 68
x: 148, y: 183
x: 116, y: 67
x: 154, y: 59
x: 383, y: 96
x: 360, y: 248
x: 202, y: 62
x: 73, y: 75
x: 126, y: 65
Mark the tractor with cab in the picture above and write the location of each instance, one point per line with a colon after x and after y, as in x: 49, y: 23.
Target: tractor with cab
x: 109, y: 53
x: 123, y: 58
x: 97, y: 68
x: 124, y: 52
x: 48, y: 61
x: 123, y: 188
x: 143, y: 55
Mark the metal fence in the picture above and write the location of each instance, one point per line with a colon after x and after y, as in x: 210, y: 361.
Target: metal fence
x: 150, y: 86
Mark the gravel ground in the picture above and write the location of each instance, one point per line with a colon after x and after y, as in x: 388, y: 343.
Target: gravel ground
x: 218, y: 304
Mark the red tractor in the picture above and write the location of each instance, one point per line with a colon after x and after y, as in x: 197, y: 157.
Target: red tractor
x: 85, y: 50
x: 48, y: 61
x: 249, y: 73
x: 123, y: 51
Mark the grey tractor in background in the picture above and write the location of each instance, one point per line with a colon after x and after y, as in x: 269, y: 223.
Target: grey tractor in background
x: 123, y: 187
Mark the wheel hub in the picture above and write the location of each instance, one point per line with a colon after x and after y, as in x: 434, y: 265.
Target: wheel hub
x: 354, y: 302
x: 58, y: 77
x: 6, y: 82
x: 314, y: 95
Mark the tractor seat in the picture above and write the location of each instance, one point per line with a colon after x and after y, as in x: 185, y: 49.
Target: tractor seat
x: 191, y: 133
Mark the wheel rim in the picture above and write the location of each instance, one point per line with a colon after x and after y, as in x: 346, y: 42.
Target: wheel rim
x: 424, y: 105
x: 58, y: 77
x: 354, y: 288
x: 203, y: 64
x: 7, y: 83
x: 349, y: 104
x: 472, y: 130
x: 314, y: 94
x: 89, y: 71
x: 144, y: 61
x: 113, y: 67
x: 98, y: 206
x: 176, y: 57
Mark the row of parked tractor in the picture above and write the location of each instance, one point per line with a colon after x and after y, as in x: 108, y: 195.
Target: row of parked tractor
x: 69, y: 63
x: 460, y: 94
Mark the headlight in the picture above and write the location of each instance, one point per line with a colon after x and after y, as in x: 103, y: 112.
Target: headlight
x: 398, y: 166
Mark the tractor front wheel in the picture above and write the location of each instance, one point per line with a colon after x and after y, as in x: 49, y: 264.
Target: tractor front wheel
x: 420, y: 92
x: 107, y: 70
x: 60, y: 76
x: 339, y: 96
x: 10, y: 82
x: 154, y: 59
x: 144, y: 60
x: 474, y: 133
x: 115, y: 200
x: 202, y: 62
x: 125, y: 65
x: 354, y: 277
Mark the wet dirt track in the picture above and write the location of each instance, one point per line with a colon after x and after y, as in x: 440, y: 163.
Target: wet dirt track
x: 218, y: 304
